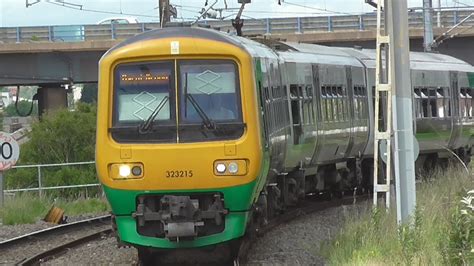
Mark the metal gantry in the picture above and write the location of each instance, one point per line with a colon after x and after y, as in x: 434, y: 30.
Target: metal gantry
x: 383, y: 86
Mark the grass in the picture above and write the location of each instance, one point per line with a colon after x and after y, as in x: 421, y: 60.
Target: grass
x: 439, y: 234
x: 27, y: 209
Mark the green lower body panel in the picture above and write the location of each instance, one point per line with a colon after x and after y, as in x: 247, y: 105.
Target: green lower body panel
x: 235, y: 224
x: 237, y: 200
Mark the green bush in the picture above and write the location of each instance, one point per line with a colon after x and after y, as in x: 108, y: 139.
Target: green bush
x: 60, y: 137
x: 459, y: 249
x: 441, y: 231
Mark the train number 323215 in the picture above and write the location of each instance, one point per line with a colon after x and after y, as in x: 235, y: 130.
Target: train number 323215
x: 179, y: 173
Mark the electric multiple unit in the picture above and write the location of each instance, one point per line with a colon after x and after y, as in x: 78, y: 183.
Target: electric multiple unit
x: 201, y: 134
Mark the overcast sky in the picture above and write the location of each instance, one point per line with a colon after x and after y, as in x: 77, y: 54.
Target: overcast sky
x: 14, y: 12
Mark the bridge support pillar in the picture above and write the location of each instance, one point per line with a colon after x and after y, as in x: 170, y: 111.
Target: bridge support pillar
x: 50, y: 98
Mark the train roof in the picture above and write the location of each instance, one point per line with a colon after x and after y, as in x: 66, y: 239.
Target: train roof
x: 186, y: 32
x: 418, y: 60
x: 302, y: 52
x: 313, y: 53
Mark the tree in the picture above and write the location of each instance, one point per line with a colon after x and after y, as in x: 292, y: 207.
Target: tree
x: 62, y: 136
x: 89, y: 93
x: 23, y: 107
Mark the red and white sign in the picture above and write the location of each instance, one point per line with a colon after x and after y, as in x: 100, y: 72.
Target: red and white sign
x: 9, y: 151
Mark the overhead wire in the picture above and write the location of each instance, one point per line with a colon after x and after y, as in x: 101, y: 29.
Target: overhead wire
x: 316, y: 8
x: 99, y: 11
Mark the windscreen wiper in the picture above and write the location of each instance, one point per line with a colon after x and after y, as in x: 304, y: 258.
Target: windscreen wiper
x: 206, y: 121
x: 147, y: 124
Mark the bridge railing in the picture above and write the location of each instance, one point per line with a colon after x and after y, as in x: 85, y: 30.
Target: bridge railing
x: 78, y: 33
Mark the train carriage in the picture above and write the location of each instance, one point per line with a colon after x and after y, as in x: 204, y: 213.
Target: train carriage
x: 202, y: 135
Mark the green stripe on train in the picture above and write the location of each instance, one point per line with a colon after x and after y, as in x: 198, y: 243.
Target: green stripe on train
x: 237, y: 199
x: 470, y: 76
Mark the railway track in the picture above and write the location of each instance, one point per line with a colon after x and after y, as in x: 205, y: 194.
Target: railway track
x: 39, y: 246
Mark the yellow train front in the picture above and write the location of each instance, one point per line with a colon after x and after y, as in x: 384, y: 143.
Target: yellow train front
x: 178, y: 147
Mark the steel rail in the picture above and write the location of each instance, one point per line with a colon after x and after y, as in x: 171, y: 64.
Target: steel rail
x: 40, y: 233
x: 51, y: 253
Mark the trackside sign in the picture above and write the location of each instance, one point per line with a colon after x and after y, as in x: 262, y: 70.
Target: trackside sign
x: 9, y: 151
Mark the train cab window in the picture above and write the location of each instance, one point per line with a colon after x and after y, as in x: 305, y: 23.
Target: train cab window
x: 209, y: 100
x: 144, y: 100
x: 262, y: 108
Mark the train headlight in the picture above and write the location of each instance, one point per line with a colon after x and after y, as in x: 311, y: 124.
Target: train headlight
x: 123, y: 171
x: 230, y: 167
x: 137, y: 170
x: 233, y: 167
x: 220, y: 168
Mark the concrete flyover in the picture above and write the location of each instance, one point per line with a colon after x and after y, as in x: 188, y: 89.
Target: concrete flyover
x: 64, y: 54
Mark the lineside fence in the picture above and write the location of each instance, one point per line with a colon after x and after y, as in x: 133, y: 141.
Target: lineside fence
x: 45, y: 172
x: 252, y: 27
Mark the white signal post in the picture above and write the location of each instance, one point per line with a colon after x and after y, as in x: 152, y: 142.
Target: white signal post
x: 9, y: 153
x: 398, y: 88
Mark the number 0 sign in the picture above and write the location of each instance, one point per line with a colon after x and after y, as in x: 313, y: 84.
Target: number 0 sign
x: 9, y: 151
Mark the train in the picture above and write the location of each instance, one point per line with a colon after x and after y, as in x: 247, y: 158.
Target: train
x: 202, y: 136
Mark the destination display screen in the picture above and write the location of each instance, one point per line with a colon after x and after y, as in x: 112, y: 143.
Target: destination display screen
x: 136, y: 78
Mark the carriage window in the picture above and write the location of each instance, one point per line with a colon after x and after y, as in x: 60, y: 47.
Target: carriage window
x: 360, y: 97
x: 424, y: 102
x: 433, y: 109
x: 471, y: 99
x: 440, y: 105
x: 309, y: 103
x: 335, y: 104
x: 465, y: 102
x: 432, y: 102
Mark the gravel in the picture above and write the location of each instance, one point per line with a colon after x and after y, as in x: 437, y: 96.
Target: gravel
x: 102, y: 252
x: 295, y: 243
x: 298, y: 242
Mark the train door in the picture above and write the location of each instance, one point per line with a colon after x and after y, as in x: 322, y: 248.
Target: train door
x: 350, y: 110
x: 456, y: 119
x: 318, y: 113
x: 276, y: 95
x: 259, y: 79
